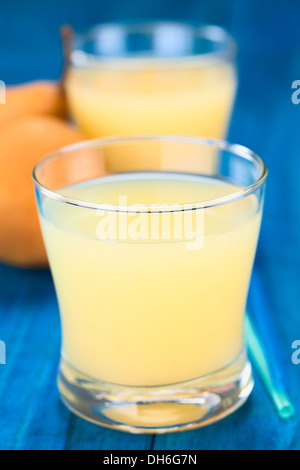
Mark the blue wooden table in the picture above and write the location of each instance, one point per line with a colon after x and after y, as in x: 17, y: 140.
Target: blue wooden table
x: 264, y: 119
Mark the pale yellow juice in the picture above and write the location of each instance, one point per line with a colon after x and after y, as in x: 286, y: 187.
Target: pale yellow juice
x: 145, y: 309
x: 140, y: 96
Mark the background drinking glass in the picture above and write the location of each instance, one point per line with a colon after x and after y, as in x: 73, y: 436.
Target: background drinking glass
x: 152, y: 78
x: 152, y: 327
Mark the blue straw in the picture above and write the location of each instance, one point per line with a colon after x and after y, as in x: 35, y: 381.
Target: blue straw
x: 265, y: 354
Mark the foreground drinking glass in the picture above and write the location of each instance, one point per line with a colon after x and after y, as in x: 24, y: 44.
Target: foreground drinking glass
x: 152, y: 78
x: 151, y: 267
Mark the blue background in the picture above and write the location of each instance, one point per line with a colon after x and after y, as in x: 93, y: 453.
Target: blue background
x: 264, y: 119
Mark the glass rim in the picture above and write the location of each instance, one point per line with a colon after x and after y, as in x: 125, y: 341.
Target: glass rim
x: 214, y: 33
x: 236, y: 149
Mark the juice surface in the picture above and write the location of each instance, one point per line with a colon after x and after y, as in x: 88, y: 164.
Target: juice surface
x: 144, y: 97
x: 150, y: 311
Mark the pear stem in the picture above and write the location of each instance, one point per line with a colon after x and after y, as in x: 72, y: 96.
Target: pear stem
x: 66, y: 34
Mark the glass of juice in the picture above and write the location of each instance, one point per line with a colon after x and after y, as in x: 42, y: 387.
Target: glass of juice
x: 151, y: 258
x: 152, y: 78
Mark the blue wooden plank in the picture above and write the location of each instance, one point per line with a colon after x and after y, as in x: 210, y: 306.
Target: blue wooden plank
x: 85, y: 436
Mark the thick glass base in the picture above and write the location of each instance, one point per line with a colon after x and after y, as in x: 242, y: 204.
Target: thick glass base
x: 175, y: 407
